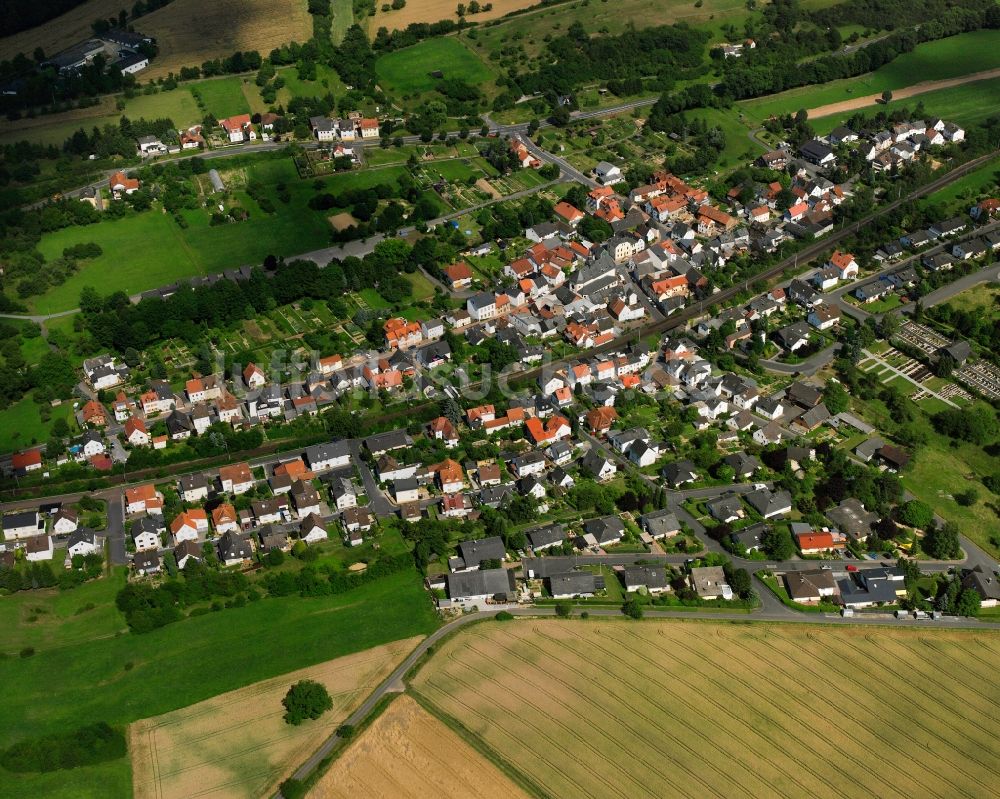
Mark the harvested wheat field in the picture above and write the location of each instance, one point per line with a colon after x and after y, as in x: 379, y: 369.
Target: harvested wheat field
x: 237, y: 744
x: 187, y: 32
x: 437, y: 10
x: 654, y: 709
x: 409, y: 754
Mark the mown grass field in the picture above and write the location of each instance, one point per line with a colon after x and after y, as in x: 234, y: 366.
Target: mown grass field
x: 612, y: 708
x: 21, y: 426
x: 53, y: 618
x: 408, y: 754
x: 237, y: 745
x: 123, y: 679
x: 945, y: 58
x: 223, y: 97
x: 408, y: 71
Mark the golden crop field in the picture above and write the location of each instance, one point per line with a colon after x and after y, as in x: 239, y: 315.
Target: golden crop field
x: 187, y: 32
x: 437, y: 10
x: 656, y: 709
x: 409, y: 754
x: 237, y: 745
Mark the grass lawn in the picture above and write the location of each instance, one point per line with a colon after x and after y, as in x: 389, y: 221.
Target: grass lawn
x: 52, y: 618
x: 408, y: 71
x: 21, y: 426
x: 937, y: 60
x: 178, y: 105
x: 423, y: 289
x: 187, y: 662
x: 739, y: 148
x: 374, y: 300
x: 984, y: 300
x: 363, y: 179
x: 458, y: 170
x: 223, y: 97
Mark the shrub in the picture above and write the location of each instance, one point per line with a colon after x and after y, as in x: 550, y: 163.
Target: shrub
x: 293, y: 789
x: 84, y: 746
x: 504, y: 615
x: 564, y: 609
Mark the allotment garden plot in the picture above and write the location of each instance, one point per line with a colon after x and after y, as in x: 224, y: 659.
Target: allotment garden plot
x: 621, y: 709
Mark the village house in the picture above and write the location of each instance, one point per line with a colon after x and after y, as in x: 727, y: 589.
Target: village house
x: 238, y: 128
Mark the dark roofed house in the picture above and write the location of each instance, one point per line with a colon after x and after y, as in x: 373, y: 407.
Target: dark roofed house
x: 385, y: 442
x: 652, y: 579
x: 234, y: 549
x: 852, y: 519
x: 475, y: 587
x: 146, y: 562
x: 605, y: 531
x: 770, y: 504
x: 726, y: 508
x: 680, y: 472
x: 804, y: 394
x: 750, y: 537
x: 983, y: 583
x: 544, y: 537
x: 575, y: 584
x: 742, y: 464
x: 473, y: 552
x: 660, y: 524
x: 893, y: 457
x: 812, y: 585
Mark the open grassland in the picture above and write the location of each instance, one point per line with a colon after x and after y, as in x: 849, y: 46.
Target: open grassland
x: 953, y: 57
x: 616, y: 709
x: 187, y: 32
x: 123, y: 679
x: 53, y: 618
x: 408, y: 71
x: 409, y: 754
x: 238, y: 745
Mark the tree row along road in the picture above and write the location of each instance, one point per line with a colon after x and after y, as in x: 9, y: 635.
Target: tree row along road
x: 394, y: 683
x: 682, y: 318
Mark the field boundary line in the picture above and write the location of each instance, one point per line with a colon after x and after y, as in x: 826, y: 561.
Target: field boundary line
x: 904, y: 93
x: 473, y: 740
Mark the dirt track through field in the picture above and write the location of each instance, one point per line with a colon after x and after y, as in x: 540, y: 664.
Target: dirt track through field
x: 854, y: 104
x: 237, y: 745
x: 727, y: 710
x: 409, y: 754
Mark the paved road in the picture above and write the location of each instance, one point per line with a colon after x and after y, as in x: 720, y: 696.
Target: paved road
x: 116, y: 529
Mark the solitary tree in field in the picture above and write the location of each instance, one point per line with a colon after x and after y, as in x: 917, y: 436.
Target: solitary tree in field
x: 307, y: 699
x: 886, y: 96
